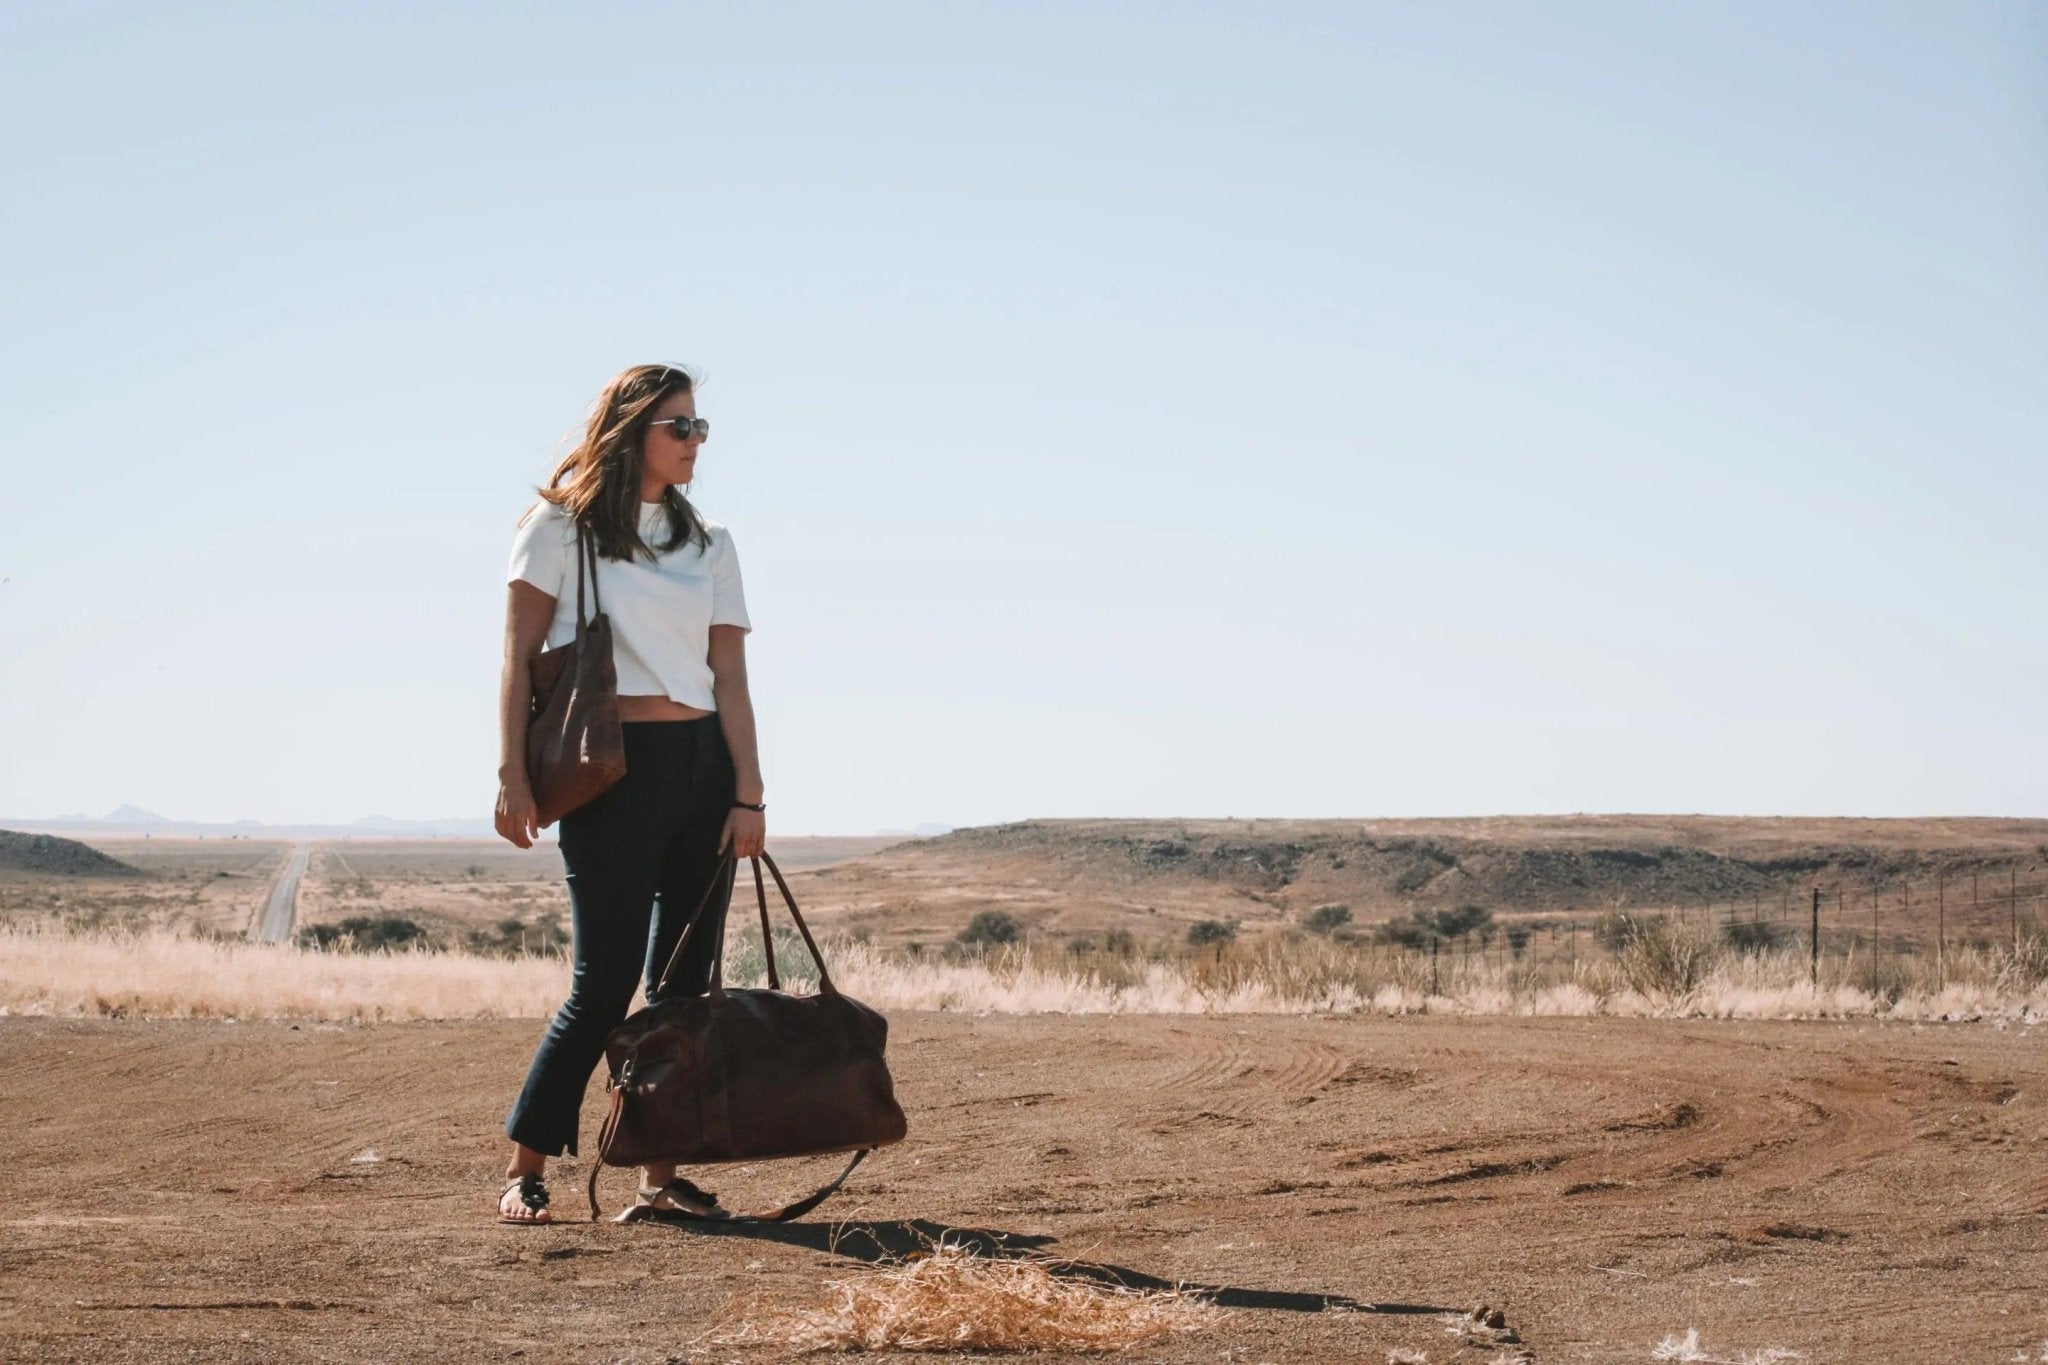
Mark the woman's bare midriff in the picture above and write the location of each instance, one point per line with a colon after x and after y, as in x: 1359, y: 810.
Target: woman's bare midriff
x: 657, y: 708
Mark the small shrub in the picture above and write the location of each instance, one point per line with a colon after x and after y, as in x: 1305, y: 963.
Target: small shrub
x: 1755, y: 936
x: 515, y: 937
x: 2026, y: 965
x: 363, y: 933
x: 1119, y: 943
x: 1884, y: 975
x: 1416, y: 929
x: 991, y: 928
x: 1403, y: 931
x: 1204, y: 932
x: 1613, y: 930
x: 1659, y: 956
x: 746, y: 959
x: 1326, y: 919
x: 1466, y: 919
x: 1412, y: 879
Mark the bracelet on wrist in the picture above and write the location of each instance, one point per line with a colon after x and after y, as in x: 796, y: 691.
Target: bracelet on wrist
x: 751, y: 805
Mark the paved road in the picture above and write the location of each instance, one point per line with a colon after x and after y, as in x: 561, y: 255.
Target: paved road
x: 278, y: 912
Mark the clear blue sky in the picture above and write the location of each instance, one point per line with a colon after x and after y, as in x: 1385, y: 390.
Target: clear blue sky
x: 1134, y: 410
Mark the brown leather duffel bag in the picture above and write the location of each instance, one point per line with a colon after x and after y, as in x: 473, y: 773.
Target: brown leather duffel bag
x: 747, y: 1075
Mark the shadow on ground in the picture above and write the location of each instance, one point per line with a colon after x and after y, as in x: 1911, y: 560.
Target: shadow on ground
x: 882, y: 1243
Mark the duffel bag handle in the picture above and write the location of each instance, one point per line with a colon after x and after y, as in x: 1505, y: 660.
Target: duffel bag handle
x: 727, y: 872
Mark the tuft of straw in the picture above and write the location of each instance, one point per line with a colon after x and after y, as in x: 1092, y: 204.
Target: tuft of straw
x: 950, y: 1299
x: 1687, y: 1349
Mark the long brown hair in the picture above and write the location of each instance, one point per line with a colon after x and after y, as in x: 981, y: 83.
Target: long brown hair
x: 598, y: 482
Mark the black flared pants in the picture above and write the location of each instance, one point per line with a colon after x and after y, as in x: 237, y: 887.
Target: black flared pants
x: 641, y: 854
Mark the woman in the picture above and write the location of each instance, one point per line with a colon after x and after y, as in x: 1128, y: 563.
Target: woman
x: 645, y: 851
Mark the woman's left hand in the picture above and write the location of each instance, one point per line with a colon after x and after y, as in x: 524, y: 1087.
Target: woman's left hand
x: 746, y: 831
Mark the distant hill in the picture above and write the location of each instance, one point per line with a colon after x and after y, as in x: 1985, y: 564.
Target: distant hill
x: 133, y: 815
x: 133, y: 820
x: 47, y: 855
x: 1083, y: 876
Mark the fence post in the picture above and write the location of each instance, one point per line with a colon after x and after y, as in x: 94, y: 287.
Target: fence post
x: 1941, y: 932
x: 1432, y: 966
x: 2013, y: 906
x: 1815, y: 940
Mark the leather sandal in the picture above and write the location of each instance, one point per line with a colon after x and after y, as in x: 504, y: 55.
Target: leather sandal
x: 533, y: 1193
x: 685, y: 1200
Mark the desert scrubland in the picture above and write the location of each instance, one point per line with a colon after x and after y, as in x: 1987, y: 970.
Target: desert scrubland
x: 1618, y: 1106
x: 1628, y: 916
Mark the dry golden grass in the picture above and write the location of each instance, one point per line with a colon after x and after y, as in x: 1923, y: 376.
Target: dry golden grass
x: 952, y: 1300
x: 158, y: 973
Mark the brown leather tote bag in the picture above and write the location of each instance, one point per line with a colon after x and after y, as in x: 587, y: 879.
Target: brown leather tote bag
x: 745, y: 1075
x: 574, y: 746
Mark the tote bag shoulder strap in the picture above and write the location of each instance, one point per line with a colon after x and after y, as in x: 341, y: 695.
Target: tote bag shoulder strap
x: 586, y: 551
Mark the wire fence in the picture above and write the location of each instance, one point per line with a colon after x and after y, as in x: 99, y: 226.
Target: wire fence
x: 1912, y: 918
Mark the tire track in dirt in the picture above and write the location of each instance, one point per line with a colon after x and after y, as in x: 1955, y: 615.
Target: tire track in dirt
x: 1287, y: 1066
x: 1201, y: 1060
x: 1655, y: 1127
x: 83, y: 1054
x: 1795, y: 1132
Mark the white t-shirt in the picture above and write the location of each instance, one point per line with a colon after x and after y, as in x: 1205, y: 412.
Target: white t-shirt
x: 661, y: 613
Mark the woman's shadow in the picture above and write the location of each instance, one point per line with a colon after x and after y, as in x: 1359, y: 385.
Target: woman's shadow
x: 899, y: 1239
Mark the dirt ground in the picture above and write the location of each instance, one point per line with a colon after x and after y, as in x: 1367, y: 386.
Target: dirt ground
x: 1856, y: 1192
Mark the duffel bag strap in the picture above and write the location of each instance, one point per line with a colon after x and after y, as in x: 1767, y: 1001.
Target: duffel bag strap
x: 722, y: 879
x: 640, y: 1212
x: 782, y: 1215
x: 604, y: 1140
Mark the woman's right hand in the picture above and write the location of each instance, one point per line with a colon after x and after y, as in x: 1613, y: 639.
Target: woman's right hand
x: 518, y: 818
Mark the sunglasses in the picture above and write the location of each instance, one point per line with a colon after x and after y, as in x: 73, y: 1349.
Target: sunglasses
x: 683, y: 428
